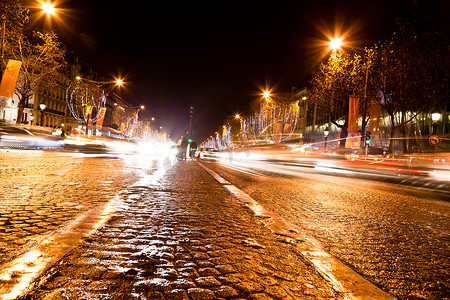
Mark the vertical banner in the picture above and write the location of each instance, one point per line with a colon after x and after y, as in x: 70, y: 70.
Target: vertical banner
x: 277, y: 132
x: 353, y: 138
x: 353, y: 114
x: 101, y: 117
x: 286, y: 128
x: 9, y: 80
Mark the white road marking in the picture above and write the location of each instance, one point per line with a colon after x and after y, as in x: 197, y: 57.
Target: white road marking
x: 341, y: 277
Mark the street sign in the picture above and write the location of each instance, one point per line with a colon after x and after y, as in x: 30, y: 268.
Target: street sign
x: 434, y: 140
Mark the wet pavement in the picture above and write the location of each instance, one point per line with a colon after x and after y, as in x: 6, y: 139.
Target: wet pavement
x: 177, y: 233
x: 396, y: 236
x: 41, y: 191
x: 184, y: 237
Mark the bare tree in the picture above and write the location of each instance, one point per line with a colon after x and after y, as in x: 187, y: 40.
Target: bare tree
x: 405, y: 75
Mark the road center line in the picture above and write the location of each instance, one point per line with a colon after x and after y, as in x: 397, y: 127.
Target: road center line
x: 341, y: 277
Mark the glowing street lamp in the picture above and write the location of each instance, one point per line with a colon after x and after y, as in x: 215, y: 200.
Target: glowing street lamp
x: 48, y: 8
x: 42, y: 106
x: 266, y: 94
x: 435, y: 117
x: 118, y: 82
x: 335, y: 43
x: 325, y: 135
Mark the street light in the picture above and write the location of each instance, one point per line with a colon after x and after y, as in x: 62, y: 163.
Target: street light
x: 435, y: 117
x: 335, y: 43
x: 118, y: 81
x: 48, y: 8
x: 2, y: 51
x: 325, y: 135
x: 42, y: 106
x: 267, y: 97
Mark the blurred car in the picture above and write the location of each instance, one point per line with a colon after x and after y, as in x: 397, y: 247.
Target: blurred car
x: 207, y: 153
x: 13, y: 137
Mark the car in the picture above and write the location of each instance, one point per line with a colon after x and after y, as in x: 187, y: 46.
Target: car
x: 207, y: 153
x: 14, y: 137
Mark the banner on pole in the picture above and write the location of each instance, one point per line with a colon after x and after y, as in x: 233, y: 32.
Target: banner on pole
x: 9, y: 80
x: 101, y: 117
x: 353, y: 114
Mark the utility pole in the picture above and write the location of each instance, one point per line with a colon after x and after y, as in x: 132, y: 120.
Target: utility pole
x: 191, y: 115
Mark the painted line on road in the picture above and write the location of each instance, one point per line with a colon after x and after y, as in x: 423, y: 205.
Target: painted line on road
x: 18, y: 275
x: 243, y: 171
x: 341, y: 277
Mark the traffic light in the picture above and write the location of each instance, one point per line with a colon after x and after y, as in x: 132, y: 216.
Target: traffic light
x: 367, y: 141
x: 189, y: 140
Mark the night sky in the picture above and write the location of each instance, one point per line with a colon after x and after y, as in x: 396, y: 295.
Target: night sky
x: 214, y: 55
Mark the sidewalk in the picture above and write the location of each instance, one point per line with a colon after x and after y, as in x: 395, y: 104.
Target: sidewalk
x: 184, y: 238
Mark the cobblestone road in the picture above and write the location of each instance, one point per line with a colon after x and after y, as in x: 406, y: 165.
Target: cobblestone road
x: 42, y: 191
x: 396, y: 236
x: 183, y: 238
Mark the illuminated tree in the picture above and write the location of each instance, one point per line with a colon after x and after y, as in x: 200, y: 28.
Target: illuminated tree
x: 85, y: 101
x: 126, y: 119
x: 333, y: 82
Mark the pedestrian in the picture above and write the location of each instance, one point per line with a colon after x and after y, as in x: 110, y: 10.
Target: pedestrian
x: 182, y: 147
x: 193, y: 149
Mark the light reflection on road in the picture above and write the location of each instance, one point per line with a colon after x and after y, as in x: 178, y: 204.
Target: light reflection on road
x: 64, y: 178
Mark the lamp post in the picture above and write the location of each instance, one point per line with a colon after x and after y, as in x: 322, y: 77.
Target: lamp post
x: 42, y: 107
x: 435, y: 117
x: 325, y: 136
x: 240, y: 134
x: 3, y: 40
x: 268, y: 98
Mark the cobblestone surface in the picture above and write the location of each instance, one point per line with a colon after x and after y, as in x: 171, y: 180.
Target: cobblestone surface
x: 184, y: 238
x: 395, y: 236
x: 43, y: 191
